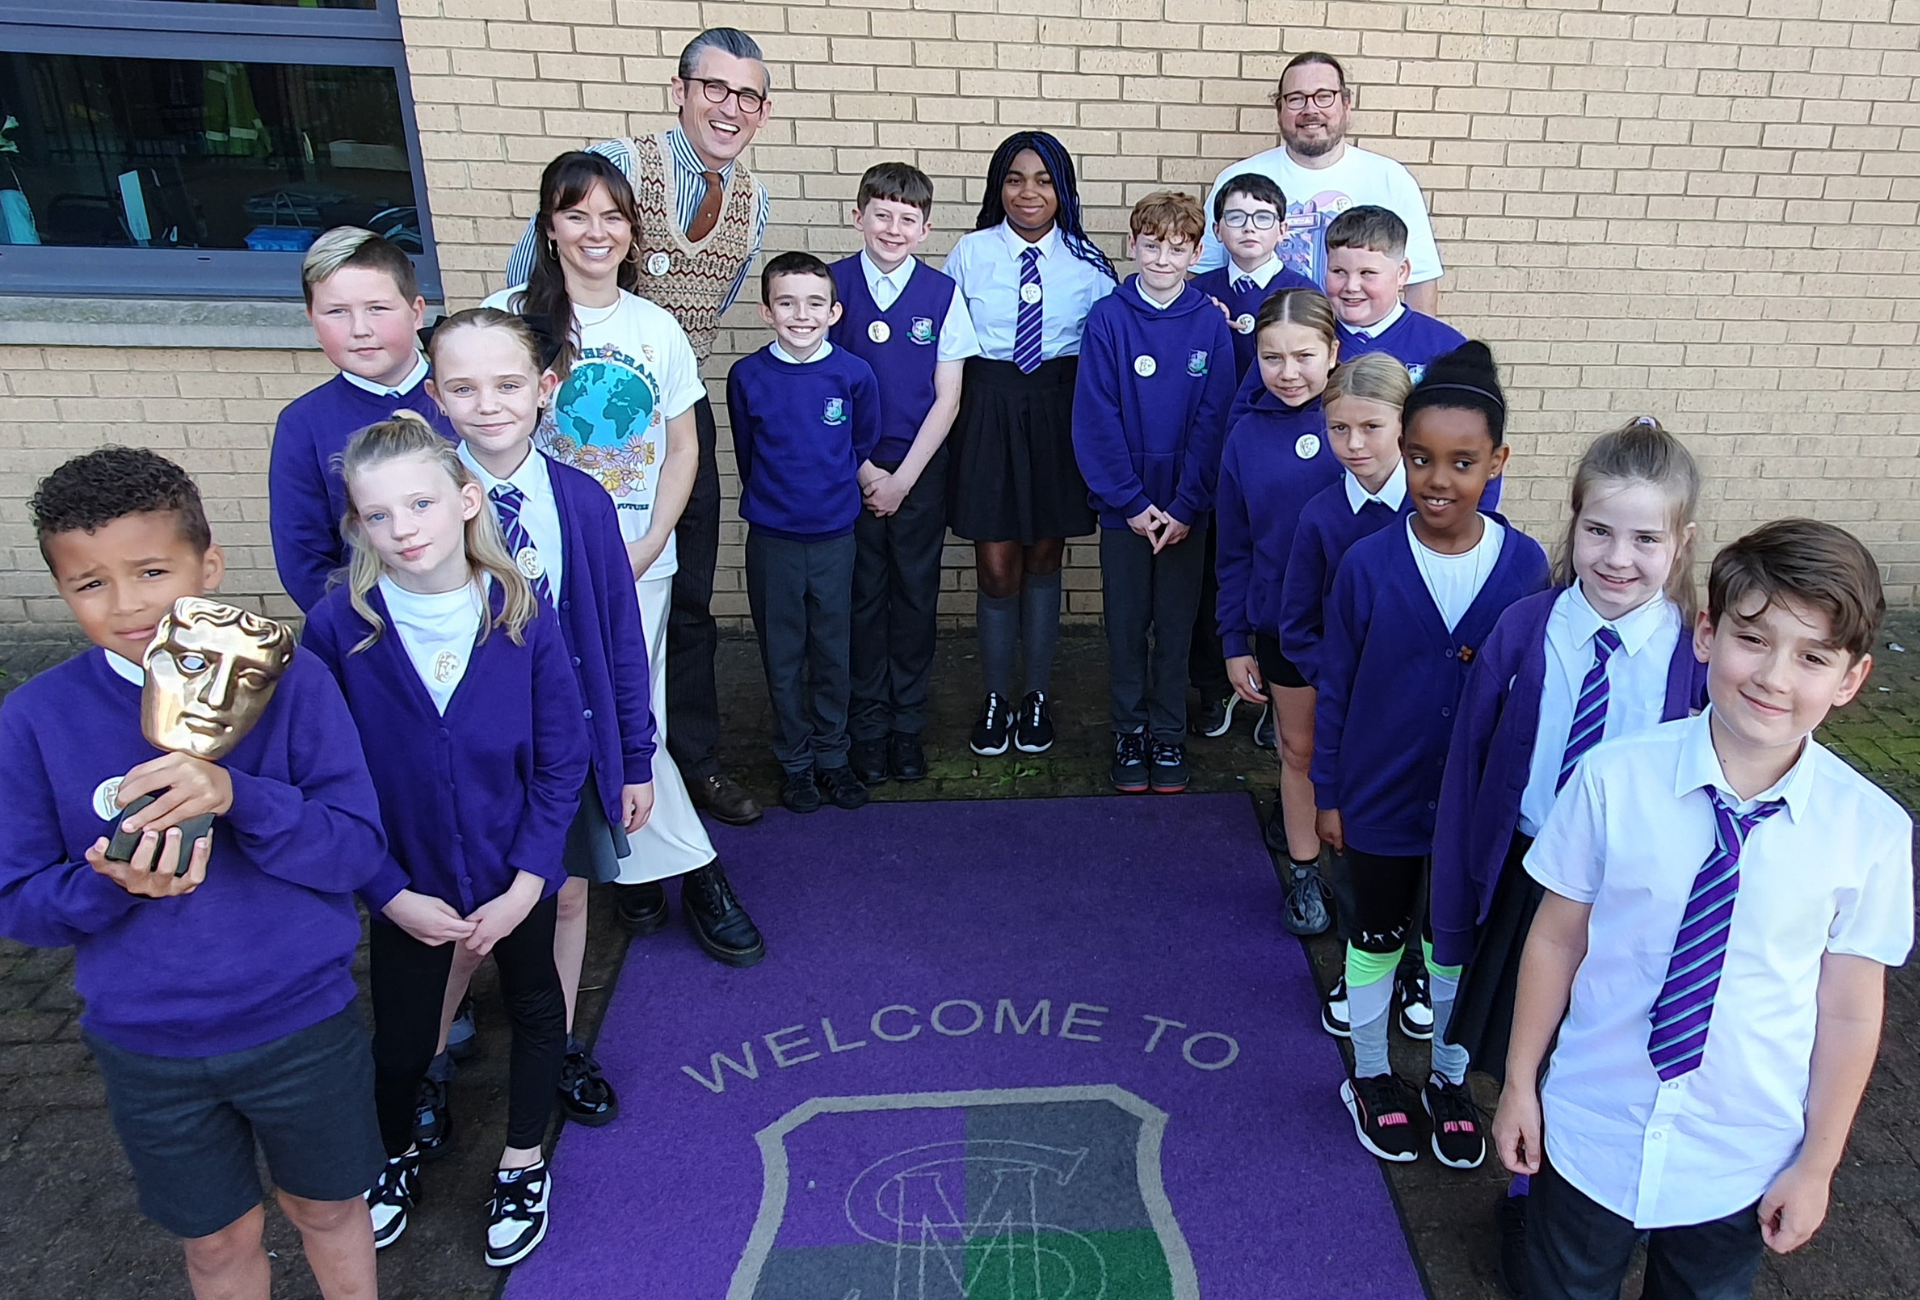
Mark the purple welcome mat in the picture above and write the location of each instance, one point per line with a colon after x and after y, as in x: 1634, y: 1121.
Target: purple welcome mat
x: 1016, y: 1050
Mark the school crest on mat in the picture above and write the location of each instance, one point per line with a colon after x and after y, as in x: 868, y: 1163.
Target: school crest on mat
x: 996, y: 1194
x: 921, y: 331
x: 836, y: 412
x: 1196, y: 363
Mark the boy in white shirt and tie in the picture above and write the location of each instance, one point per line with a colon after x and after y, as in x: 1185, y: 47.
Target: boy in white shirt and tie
x: 1724, y: 896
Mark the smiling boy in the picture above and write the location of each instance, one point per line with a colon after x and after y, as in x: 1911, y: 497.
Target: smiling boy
x: 806, y: 418
x: 1367, y: 270
x: 1249, y: 220
x: 1724, y: 896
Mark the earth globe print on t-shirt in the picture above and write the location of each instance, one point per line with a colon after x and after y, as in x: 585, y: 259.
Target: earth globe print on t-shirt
x: 605, y: 420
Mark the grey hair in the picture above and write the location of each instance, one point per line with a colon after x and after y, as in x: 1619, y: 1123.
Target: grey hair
x: 728, y: 40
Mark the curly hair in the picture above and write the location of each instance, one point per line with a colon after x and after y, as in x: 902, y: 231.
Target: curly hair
x: 91, y: 491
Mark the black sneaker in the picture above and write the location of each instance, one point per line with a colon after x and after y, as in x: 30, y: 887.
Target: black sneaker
x: 391, y: 1196
x: 1129, y: 771
x: 463, y: 1040
x: 1263, y: 733
x: 1416, y: 1003
x: 1511, y: 1214
x: 517, y: 1214
x: 1034, y: 734
x: 720, y: 925
x: 432, y: 1119
x: 868, y: 758
x: 1305, y: 913
x: 642, y: 910
x: 1168, y: 767
x: 1458, y: 1140
x: 1215, y: 717
x: 906, y: 757
x: 990, y: 733
x: 843, y: 787
x: 1380, y: 1119
x: 1333, y: 1010
x: 585, y: 1095
x: 801, y: 793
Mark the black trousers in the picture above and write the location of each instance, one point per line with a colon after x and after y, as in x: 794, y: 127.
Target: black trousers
x: 1579, y: 1250
x: 693, y: 700
x: 1389, y: 891
x: 1144, y: 594
x: 896, y: 605
x: 1207, y: 658
x: 409, y: 982
x: 801, y: 594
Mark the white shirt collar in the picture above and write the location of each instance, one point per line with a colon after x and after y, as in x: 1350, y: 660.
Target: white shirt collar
x: 825, y: 350
x: 1149, y: 299
x: 1262, y: 274
x: 896, y: 279
x: 688, y: 157
x: 1634, y: 628
x: 401, y: 389
x: 1390, y: 495
x: 531, y: 478
x: 1699, y: 767
x: 1382, y: 325
x: 1047, y: 243
x: 128, y: 669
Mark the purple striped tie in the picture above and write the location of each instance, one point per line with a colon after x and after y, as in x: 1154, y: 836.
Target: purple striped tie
x: 507, y: 502
x: 1590, y: 714
x: 1685, y: 1006
x: 1026, y: 326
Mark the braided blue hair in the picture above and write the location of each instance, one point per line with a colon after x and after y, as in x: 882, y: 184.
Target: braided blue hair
x: 1059, y: 164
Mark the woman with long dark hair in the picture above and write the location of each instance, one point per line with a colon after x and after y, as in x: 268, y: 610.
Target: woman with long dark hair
x: 1030, y: 275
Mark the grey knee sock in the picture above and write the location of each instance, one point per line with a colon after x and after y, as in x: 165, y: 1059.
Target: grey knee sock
x: 999, y: 623
x: 1369, y: 1007
x: 1449, y: 1059
x: 1040, y: 627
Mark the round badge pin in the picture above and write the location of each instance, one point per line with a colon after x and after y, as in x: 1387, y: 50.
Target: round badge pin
x: 529, y: 561
x: 1244, y: 324
x: 1144, y: 366
x: 879, y: 331
x: 658, y: 263
x: 1029, y: 293
x: 445, y: 665
x: 104, y: 796
x: 1307, y: 447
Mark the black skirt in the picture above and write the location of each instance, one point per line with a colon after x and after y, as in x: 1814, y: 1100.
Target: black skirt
x: 1013, y: 476
x: 1483, y: 1009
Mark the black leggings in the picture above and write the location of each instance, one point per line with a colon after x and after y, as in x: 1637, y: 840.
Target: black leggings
x: 1387, y: 892
x: 409, y: 980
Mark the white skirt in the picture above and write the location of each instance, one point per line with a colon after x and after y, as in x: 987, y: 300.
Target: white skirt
x: 673, y: 842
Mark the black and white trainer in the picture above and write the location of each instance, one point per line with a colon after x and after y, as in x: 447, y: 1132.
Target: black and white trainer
x: 1033, y: 733
x: 1416, y: 1003
x: 1380, y: 1120
x: 392, y: 1195
x: 517, y: 1214
x: 1458, y: 1141
x: 991, y: 734
x: 1333, y: 1010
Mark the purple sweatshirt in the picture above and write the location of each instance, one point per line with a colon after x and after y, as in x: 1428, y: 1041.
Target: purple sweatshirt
x: 1491, y: 756
x: 1329, y: 525
x: 264, y: 948
x: 305, y: 498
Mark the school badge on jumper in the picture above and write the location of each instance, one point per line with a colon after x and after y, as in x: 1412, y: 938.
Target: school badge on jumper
x: 879, y: 331
x: 1307, y: 447
x: 836, y: 412
x: 528, y: 561
x: 104, y: 796
x: 1029, y: 293
x: 921, y: 331
x: 1144, y: 366
x: 445, y: 665
x: 1414, y: 373
x: 1196, y: 363
x: 1244, y: 323
x: 658, y: 263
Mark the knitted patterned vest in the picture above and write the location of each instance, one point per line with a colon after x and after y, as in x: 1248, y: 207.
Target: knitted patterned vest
x: 690, y: 280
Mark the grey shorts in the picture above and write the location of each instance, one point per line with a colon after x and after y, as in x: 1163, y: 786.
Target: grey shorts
x: 189, y: 1125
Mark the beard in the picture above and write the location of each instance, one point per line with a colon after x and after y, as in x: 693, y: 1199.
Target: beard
x: 1314, y: 146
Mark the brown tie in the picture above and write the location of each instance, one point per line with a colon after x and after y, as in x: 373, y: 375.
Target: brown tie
x: 707, y: 216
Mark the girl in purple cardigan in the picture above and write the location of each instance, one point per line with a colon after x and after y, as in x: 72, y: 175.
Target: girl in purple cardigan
x: 1604, y: 654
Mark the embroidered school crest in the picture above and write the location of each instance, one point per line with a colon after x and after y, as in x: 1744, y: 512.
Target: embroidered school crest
x: 1196, y: 363
x: 836, y: 412
x: 1414, y: 372
x: 921, y: 331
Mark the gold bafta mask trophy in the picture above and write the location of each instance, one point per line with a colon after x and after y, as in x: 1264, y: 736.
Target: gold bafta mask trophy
x: 211, y: 671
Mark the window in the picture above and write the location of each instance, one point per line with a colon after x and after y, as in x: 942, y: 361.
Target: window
x: 195, y: 148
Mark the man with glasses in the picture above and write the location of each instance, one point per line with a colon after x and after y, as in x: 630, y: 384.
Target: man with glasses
x: 1322, y: 176
x: 702, y: 218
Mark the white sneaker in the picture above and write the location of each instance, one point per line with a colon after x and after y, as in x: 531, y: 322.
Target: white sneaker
x: 517, y: 1214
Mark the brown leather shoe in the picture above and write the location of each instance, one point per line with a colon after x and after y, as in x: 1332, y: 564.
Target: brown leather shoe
x: 722, y: 796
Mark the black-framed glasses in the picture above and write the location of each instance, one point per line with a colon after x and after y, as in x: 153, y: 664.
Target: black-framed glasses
x: 1299, y: 99
x: 719, y: 92
x: 1261, y: 219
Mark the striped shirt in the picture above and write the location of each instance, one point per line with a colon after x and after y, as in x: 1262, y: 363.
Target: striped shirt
x: 690, y: 186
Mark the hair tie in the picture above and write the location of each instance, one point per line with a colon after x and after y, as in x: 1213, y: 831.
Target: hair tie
x: 540, y: 325
x: 1495, y: 398
x: 1646, y: 422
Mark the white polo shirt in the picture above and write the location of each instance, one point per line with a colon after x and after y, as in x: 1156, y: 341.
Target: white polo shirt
x: 1832, y: 872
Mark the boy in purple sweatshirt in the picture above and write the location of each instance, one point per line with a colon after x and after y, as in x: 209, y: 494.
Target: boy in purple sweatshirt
x: 220, y: 1001
x: 1149, y: 411
x: 365, y: 305
x: 1367, y: 272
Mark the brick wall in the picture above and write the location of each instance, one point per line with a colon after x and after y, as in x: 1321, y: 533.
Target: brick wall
x: 1709, y: 209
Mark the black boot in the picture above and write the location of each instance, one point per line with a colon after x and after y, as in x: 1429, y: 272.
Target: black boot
x: 642, y: 908
x: 719, y: 923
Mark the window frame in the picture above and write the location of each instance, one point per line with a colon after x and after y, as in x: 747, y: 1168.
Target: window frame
x: 187, y: 29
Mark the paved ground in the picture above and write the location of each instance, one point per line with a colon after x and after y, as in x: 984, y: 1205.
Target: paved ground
x: 71, y: 1229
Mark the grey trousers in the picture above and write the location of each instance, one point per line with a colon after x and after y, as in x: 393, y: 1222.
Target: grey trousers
x: 1150, y: 603
x: 896, y: 599
x: 801, y: 595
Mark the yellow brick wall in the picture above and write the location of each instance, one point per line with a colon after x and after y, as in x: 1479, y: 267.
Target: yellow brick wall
x: 1709, y: 209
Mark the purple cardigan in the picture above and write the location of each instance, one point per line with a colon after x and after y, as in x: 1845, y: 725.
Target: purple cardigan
x: 1491, y: 756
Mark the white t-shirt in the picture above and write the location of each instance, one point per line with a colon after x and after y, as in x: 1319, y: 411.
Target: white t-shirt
x: 1454, y: 580
x: 438, y: 629
x: 1315, y: 198
x: 636, y: 370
